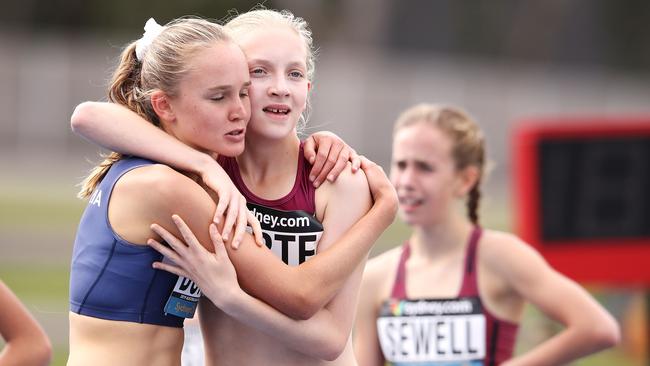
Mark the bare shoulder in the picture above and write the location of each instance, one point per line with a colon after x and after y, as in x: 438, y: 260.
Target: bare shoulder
x: 154, y: 193
x: 348, y: 191
x: 349, y: 182
x: 379, y: 276
x: 152, y: 184
x: 508, y: 255
x: 382, y: 267
x: 497, y: 244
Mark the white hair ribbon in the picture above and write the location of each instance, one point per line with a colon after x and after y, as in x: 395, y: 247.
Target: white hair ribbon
x: 151, y: 31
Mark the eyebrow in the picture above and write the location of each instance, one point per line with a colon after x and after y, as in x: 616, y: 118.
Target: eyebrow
x: 299, y: 64
x: 222, y: 88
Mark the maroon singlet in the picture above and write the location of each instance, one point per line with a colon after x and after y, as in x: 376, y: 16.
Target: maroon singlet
x: 288, y: 224
x: 444, y: 331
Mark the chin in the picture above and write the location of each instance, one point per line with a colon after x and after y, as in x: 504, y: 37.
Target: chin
x: 274, y: 133
x: 415, y: 219
x: 408, y: 219
x: 231, y: 150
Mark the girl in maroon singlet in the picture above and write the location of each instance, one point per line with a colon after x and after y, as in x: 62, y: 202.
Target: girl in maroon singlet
x: 454, y: 293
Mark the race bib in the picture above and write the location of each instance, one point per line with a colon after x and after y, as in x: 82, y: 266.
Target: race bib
x: 184, y: 298
x: 291, y: 235
x: 433, y: 332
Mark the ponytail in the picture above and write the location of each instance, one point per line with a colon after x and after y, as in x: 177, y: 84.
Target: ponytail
x: 97, y: 174
x: 473, y: 201
x: 126, y: 86
x: 123, y: 90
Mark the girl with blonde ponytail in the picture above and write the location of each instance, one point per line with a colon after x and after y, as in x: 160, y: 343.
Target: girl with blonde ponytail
x: 122, y: 312
x: 193, y: 83
x: 454, y: 293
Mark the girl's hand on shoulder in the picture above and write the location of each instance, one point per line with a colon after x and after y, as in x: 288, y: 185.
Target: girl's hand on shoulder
x: 329, y: 155
x: 232, y: 204
x: 380, y: 186
x: 214, y: 273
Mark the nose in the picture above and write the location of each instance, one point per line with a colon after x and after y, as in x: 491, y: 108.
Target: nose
x: 403, y: 177
x: 279, y: 87
x: 240, y: 110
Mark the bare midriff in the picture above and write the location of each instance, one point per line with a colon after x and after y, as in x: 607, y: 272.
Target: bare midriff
x: 99, y: 342
x: 230, y: 342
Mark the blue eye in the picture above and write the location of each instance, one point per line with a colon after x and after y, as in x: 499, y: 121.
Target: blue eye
x: 257, y: 71
x: 296, y: 74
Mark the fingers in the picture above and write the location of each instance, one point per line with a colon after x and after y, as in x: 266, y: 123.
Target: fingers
x: 321, y: 158
x: 355, y: 159
x: 169, y: 238
x: 215, y: 236
x: 371, y: 170
x: 257, y: 228
x: 330, y: 161
x: 222, y: 204
x: 378, y: 182
x: 217, y: 240
x: 240, y: 227
x: 366, y: 164
x: 309, y: 149
x: 187, y: 234
x: 165, y: 251
x: 231, y: 217
x: 171, y: 269
x: 341, y: 163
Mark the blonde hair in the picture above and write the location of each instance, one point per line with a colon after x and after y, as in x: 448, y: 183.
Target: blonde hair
x: 241, y: 24
x: 163, y: 66
x: 467, y: 138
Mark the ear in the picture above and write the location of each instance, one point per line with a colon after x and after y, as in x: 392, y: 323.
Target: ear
x: 307, y: 99
x: 161, y: 105
x: 466, y: 179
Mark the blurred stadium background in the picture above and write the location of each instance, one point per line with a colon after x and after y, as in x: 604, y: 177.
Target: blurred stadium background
x: 500, y: 60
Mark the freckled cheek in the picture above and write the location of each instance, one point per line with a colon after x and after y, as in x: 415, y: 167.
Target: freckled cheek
x: 255, y: 97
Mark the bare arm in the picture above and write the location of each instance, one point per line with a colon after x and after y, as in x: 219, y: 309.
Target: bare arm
x: 26, y: 342
x: 366, y: 343
x: 347, y: 200
x: 158, y: 192
x: 326, y: 333
x: 589, y: 327
x: 317, y: 280
x: 119, y: 129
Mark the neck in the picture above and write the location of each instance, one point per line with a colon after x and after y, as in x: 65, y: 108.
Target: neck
x: 445, y: 237
x: 267, y: 158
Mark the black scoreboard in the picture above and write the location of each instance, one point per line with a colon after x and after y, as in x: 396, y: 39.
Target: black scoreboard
x: 583, y: 195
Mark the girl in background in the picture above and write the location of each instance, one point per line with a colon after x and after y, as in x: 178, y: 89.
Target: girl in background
x: 26, y: 344
x: 454, y: 293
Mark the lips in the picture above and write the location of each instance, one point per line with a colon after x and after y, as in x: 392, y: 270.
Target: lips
x: 408, y: 204
x: 237, y: 132
x: 278, y: 109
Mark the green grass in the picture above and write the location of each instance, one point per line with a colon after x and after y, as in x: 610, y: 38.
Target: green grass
x: 39, y: 212
x: 38, y: 284
x: 59, y: 356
